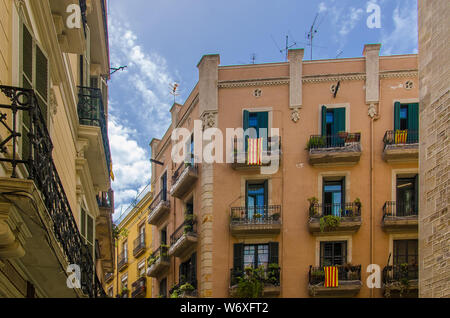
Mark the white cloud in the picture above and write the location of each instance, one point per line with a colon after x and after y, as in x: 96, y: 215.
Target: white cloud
x: 350, y: 20
x: 322, y: 7
x: 403, y: 39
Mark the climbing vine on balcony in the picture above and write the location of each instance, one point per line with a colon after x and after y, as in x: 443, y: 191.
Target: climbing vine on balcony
x: 329, y: 222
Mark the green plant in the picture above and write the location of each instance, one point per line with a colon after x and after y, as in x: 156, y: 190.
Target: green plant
x: 358, y: 202
x: 273, y: 274
x: 257, y: 215
x: 276, y: 216
x: 313, y: 209
x: 318, y: 273
x: 187, y: 228
x: 188, y: 217
x: 315, y: 142
x: 251, y: 284
x: 186, y: 287
x: 329, y: 222
x: 152, y: 260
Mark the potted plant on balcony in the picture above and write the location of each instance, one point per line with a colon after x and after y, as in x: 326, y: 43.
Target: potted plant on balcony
x: 329, y: 222
x: 358, y: 204
x: 343, y: 134
x: 125, y: 291
x: 276, y: 216
x: 186, y: 290
x: 273, y: 274
x: 315, y: 142
x: 313, y: 208
x: 249, y: 285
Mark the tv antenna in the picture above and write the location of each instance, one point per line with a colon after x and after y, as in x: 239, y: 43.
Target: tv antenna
x: 115, y: 69
x: 284, y: 51
x: 253, y: 58
x: 312, y: 32
x: 174, y: 90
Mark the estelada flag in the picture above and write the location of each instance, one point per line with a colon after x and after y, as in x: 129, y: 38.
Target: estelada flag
x: 331, y: 276
x: 255, y: 151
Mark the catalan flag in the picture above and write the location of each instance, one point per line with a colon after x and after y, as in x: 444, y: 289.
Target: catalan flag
x: 400, y: 136
x: 255, y: 149
x: 331, y: 276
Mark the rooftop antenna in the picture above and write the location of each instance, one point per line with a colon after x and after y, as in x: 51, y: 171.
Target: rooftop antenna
x: 174, y: 90
x: 253, y: 58
x: 285, y: 51
x: 115, y: 69
x: 339, y: 53
x: 312, y: 32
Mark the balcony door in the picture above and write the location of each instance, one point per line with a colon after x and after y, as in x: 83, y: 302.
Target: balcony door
x: 256, y: 199
x: 259, y: 121
x: 188, y: 271
x: 406, y: 253
x: 164, y: 187
x: 406, y: 117
x: 142, y: 234
x: 333, y: 197
x: 333, y: 122
x: 407, y: 196
x: 333, y: 253
x: 255, y: 255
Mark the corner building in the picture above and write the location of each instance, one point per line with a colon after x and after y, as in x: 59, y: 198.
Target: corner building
x: 348, y: 136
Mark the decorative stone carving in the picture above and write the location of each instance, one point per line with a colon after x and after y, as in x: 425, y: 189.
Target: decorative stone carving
x: 409, y: 85
x: 53, y: 103
x: 257, y: 92
x: 209, y: 120
x: 295, y: 115
x: 372, y: 110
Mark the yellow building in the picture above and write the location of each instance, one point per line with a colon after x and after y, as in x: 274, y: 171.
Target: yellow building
x: 55, y: 162
x: 132, y: 245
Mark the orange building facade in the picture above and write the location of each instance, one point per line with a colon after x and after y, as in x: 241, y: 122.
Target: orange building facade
x: 344, y: 194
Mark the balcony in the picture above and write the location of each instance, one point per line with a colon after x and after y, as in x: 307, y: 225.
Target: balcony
x: 184, y: 239
x: 349, y: 282
x: 27, y: 160
x: 159, y: 208
x: 271, y: 156
x: 122, y: 261
x: 255, y: 220
x: 139, y: 288
x: 109, y: 277
x: 325, y: 219
x: 184, y: 290
x: 399, y: 216
x: 158, y: 262
x: 334, y: 150
x: 269, y: 277
x: 401, y: 281
x: 139, y: 245
x: 401, y: 146
x: 103, y: 229
x: 183, y: 179
x: 93, y: 128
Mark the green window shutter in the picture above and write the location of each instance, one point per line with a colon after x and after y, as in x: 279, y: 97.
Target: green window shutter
x: 41, y: 74
x: 416, y: 194
x: 413, y: 117
x: 273, y: 252
x: 27, y: 53
x: 397, y: 116
x: 324, y: 120
x: 245, y: 125
x: 263, y: 123
x: 90, y: 229
x: 339, y: 120
x: 238, y: 257
x: 266, y: 193
x: 83, y: 223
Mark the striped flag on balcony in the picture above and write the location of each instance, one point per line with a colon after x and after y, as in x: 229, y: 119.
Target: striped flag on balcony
x: 255, y: 149
x: 331, y: 276
x: 401, y: 136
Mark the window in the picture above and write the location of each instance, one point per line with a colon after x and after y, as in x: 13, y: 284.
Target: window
x: 163, y: 288
x: 124, y: 285
x: 406, y: 252
x: 164, y: 187
x: 125, y: 250
x: 255, y: 255
x: 164, y: 236
x: 141, y: 269
x: 85, y: 61
x: 333, y: 197
x: 333, y: 253
x: 407, y: 196
x: 142, y: 234
x: 111, y: 291
x: 256, y: 198
x: 260, y: 122
x: 34, y: 74
x: 333, y: 121
x: 188, y: 271
x: 87, y: 230
x: 406, y: 117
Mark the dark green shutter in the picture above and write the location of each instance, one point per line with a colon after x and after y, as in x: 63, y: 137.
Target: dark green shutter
x: 245, y: 125
x: 339, y: 120
x: 416, y: 194
x: 263, y: 123
x: 324, y: 120
x: 193, y: 269
x: 266, y: 193
x: 397, y: 115
x: 246, y: 197
x: 27, y: 53
x: 238, y: 257
x: 273, y: 252
x: 41, y: 73
x: 413, y: 119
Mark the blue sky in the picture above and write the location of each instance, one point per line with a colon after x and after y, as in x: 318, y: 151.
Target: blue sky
x: 161, y: 42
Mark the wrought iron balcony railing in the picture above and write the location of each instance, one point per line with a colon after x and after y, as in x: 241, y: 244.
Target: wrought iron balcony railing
x: 191, y: 293
x: 268, y: 214
x: 399, y: 273
x: 139, y: 244
x: 36, y: 157
x: 343, y: 210
x: 122, y: 260
x: 106, y: 199
x: 160, y: 254
x: 399, y: 209
x: 187, y: 227
x: 333, y: 141
x: 139, y: 288
x: 91, y: 112
x: 401, y: 137
x: 268, y: 276
x: 162, y: 196
x: 346, y: 273
x: 271, y: 146
x: 181, y: 168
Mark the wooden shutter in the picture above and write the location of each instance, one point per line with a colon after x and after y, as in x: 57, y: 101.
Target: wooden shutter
x: 245, y: 125
x: 263, y: 123
x: 324, y: 120
x: 413, y: 118
x: 273, y: 252
x: 397, y: 115
x: 339, y: 120
x: 238, y: 257
x: 266, y: 192
x: 416, y: 194
x: 27, y: 55
x: 41, y: 83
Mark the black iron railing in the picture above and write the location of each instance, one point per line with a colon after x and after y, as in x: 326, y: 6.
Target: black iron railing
x: 91, y: 112
x: 347, y: 273
x: 240, y: 150
x: 83, y: 8
x: 160, y: 197
x: 268, y: 214
x: 333, y: 141
x: 399, y: 273
x: 181, y: 168
x: 139, y: 288
x: 123, y: 259
x: 351, y: 209
x: 187, y: 227
x: 106, y: 199
x: 401, y: 137
x: 268, y: 275
x: 399, y: 209
x: 160, y: 254
x: 139, y: 243
x: 33, y: 139
x: 109, y: 277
